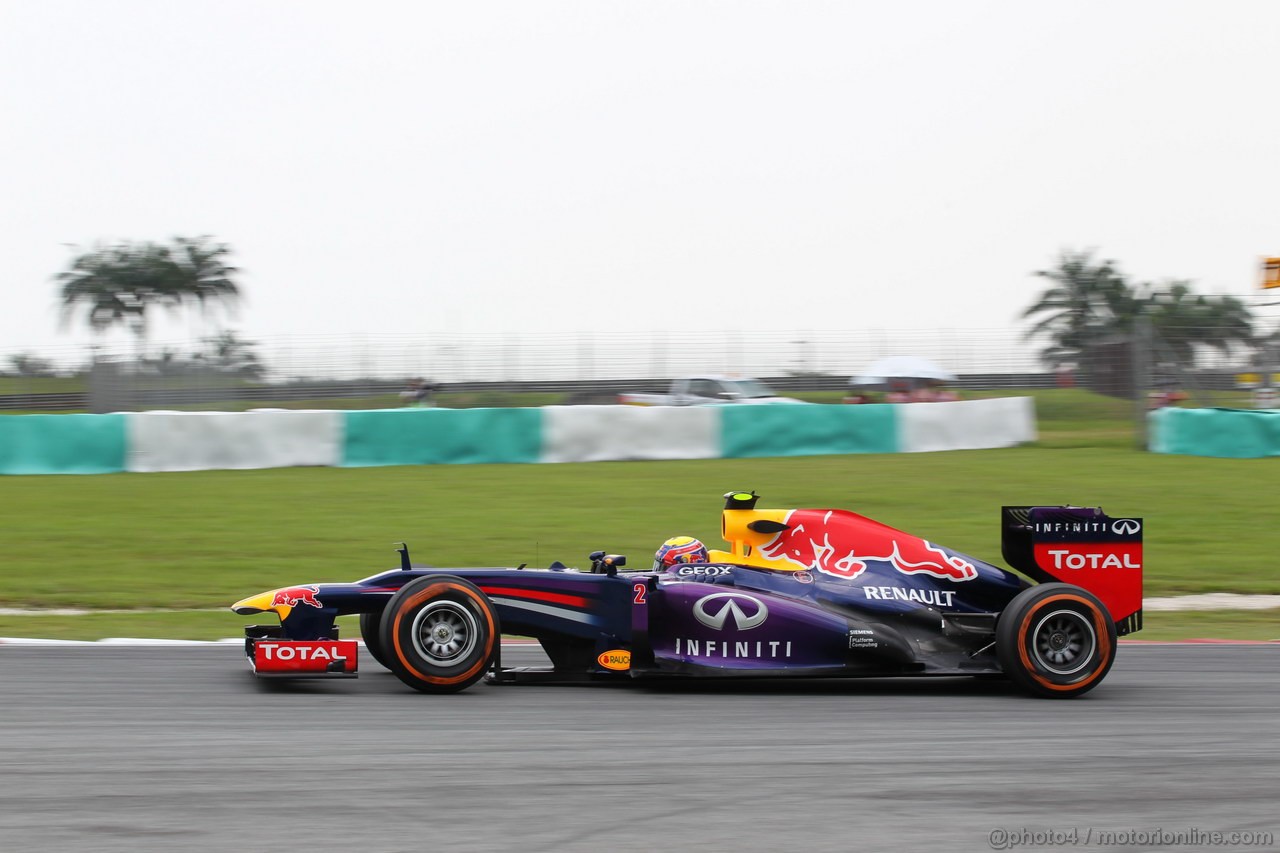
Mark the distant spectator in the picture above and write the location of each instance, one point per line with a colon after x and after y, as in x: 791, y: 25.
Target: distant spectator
x: 899, y: 392
x: 943, y: 394
x: 419, y: 392
x: 922, y: 393
x: 1161, y: 399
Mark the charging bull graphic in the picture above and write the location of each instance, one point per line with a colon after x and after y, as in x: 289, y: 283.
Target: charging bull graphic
x: 295, y: 595
x: 821, y: 540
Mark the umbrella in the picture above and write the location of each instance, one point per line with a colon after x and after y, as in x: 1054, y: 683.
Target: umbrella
x: 902, y: 367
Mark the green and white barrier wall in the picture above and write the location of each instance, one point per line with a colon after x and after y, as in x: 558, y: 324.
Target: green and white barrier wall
x: 439, y: 436
x: 200, y: 441
x: 63, y: 444
x: 193, y: 441
x: 1232, y: 433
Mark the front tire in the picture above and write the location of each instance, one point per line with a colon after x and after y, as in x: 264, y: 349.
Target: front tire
x: 1056, y: 640
x: 439, y: 634
x: 371, y: 633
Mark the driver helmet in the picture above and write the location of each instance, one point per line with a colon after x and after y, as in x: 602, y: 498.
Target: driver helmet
x: 680, y: 549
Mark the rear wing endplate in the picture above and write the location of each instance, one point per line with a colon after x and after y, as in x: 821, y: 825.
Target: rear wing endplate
x: 1082, y: 546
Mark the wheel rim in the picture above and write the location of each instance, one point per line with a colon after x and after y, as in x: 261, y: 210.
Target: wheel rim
x: 445, y: 632
x: 1063, y: 642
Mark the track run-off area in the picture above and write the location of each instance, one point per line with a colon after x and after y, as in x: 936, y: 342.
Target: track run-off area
x: 109, y: 746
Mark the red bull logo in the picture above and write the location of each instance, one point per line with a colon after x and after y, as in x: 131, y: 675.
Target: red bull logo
x: 823, y: 540
x: 295, y: 595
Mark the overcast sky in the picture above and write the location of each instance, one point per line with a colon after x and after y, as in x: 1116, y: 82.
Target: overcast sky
x: 507, y: 166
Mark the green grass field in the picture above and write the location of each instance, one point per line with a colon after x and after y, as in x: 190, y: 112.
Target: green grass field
x: 205, y: 539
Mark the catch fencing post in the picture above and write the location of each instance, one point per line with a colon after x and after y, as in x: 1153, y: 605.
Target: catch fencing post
x: 1140, y: 354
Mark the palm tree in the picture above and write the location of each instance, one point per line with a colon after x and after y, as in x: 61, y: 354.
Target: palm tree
x: 201, y: 273
x: 118, y: 284
x: 112, y: 283
x: 1093, y: 320
x: 228, y: 353
x: 1087, y: 302
x: 29, y: 365
x: 1183, y: 321
x: 1228, y: 321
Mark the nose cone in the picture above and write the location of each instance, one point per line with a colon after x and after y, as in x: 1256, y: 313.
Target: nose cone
x: 259, y: 603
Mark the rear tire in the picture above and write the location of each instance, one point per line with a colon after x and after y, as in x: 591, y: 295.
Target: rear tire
x: 1056, y: 640
x: 439, y: 634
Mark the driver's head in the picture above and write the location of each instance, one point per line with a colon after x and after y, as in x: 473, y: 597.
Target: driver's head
x: 680, y: 549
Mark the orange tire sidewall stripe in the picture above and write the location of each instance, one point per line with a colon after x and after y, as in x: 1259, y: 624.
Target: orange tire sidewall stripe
x: 428, y: 592
x: 1101, y: 638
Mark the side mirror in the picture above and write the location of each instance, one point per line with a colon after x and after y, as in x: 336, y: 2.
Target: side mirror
x: 606, y: 564
x: 613, y: 562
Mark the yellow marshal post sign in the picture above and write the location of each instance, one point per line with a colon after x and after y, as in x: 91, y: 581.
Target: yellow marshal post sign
x: 1270, y: 272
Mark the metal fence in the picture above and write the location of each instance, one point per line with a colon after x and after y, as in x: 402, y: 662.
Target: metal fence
x: 589, y: 365
x: 606, y: 354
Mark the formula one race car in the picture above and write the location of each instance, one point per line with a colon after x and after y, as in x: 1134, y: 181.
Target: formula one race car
x: 802, y: 592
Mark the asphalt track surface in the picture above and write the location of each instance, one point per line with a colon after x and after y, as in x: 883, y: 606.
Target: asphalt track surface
x: 108, y: 748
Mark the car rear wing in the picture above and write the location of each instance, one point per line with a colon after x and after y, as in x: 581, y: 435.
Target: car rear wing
x: 1082, y: 546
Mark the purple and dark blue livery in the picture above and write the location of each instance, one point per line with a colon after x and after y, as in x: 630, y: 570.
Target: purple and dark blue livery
x: 801, y: 592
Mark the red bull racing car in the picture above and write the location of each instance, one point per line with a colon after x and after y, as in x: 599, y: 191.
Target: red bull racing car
x: 800, y: 592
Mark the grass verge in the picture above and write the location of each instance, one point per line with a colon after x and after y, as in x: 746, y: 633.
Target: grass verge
x: 207, y: 538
